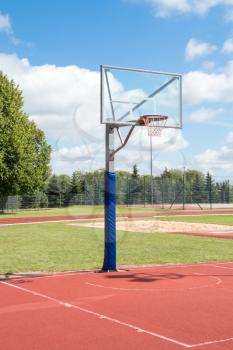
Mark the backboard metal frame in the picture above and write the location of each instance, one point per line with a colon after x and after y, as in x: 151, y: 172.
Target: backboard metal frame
x: 120, y: 122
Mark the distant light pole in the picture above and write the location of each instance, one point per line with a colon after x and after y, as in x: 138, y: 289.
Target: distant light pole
x: 151, y: 172
x: 183, y: 183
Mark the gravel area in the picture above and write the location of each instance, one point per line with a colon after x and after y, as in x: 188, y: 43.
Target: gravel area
x: 162, y: 226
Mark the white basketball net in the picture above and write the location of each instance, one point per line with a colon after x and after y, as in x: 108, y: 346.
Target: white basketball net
x: 155, y: 124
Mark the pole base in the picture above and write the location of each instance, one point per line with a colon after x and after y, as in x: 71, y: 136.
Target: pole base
x: 107, y: 270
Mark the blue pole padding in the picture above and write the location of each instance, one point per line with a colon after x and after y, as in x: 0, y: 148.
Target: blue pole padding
x: 109, y: 263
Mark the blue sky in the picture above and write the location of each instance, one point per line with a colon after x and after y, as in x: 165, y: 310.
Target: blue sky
x: 69, y: 32
x: 53, y: 50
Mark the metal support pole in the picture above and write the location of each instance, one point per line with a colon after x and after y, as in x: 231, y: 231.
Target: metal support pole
x: 109, y: 263
x: 151, y: 172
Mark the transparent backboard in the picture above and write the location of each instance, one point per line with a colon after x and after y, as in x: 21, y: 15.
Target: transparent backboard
x: 127, y: 94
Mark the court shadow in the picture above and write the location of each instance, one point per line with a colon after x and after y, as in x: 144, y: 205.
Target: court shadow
x: 146, y: 277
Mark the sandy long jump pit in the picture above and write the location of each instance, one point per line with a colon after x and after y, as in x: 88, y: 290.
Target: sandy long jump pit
x: 153, y: 226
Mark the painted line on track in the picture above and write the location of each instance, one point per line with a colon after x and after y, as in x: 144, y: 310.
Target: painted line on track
x: 116, y: 321
x: 216, y: 279
x: 167, y: 266
x: 99, y: 315
x: 122, y: 323
x: 47, y: 219
x: 47, y: 222
x: 211, y: 342
x: 82, y: 272
x: 224, y: 267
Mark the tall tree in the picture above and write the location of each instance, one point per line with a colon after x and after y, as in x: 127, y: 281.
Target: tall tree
x: 135, y: 173
x: 54, y: 191
x: 198, y: 189
x: 75, y: 182
x: 24, y: 152
x: 64, y: 184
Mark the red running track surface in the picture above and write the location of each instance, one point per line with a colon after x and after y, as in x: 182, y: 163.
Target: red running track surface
x: 39, y: 219
x: 170, y: 307
x: 45, y: 219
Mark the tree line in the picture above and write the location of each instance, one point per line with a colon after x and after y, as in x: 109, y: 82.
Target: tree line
x: 172, y: 186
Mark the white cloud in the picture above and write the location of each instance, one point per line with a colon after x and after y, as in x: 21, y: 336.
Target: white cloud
x: 165, y: 8
x: 228, y: 46
x: 230, y: 138
x: 217, y: 160
x: 64, y: 101
x: 229, y: 15
x: 196, y: 49
x: 208, y: 65
x: 5, y: 25
x: 204, y: 114
x: 199, y: 87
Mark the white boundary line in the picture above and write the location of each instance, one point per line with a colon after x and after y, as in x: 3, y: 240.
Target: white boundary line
x: 128, y: 268
x: 99, y: 315
x: 224, y: 267
x: 211, y: 264
x: 217, y: 282
x: 211, y: 342
x: 196, y: 215
x: 46, y: 222
x: 29, y: 277
x: 101, y: 218
x: 113, y: 320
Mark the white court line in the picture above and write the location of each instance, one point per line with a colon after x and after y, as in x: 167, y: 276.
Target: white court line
x: 20, y: 277
x: 81, y: 273
x: 211, y: 342
x: 120, y: 217
x: 46, y: 222
x: 94, y: 219
x: 211, y: 264
x: 224, y: 267
x: 224, y: 231
x: 101, y: 316
x: 217, y: 281
x: 183, y: 215
x: 113, y: 320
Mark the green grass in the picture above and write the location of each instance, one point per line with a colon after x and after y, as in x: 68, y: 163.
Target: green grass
x: 63, y: 247
x: 208, y: 219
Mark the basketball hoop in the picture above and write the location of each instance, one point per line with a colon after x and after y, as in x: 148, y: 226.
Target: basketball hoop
x: 154, y: 123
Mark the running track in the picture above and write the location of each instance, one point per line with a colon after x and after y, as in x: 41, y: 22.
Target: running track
x: 60, y: 218
x: 39, y: 219
x: 169, y: 307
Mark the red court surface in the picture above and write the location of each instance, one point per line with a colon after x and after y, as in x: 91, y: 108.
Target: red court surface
x: 170, y: 307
